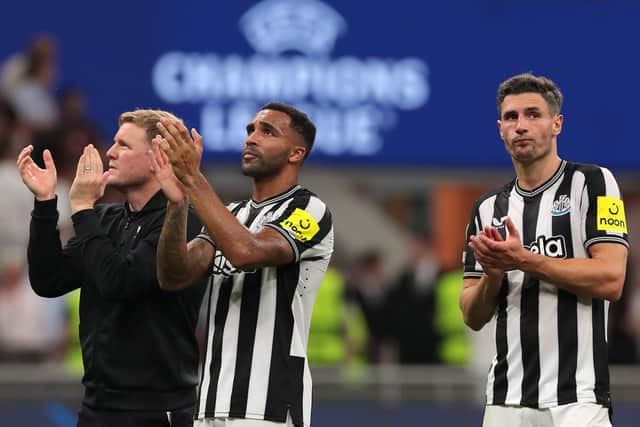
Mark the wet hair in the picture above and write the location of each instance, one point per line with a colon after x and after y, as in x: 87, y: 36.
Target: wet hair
x: 300, y: 122
x: 529, y: 83
x: 146, y: 119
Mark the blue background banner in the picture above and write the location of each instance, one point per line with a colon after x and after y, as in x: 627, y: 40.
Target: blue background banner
x: 399, y: 83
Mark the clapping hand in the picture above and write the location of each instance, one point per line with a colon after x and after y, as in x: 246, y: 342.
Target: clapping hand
x: 41, y: 182
x: 183, y: 150
x: 89, y: 182
x: 495, y: 254
x: 163, y: 172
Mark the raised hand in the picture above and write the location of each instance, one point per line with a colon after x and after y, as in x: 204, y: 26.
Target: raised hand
x: 41, y: 182
x: 184, y: 151
x: 89, y: 182
x: 496, y: 254
x: 163, y: 172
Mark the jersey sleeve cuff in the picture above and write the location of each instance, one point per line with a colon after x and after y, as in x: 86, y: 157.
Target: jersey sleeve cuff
x: 287, y: 236
x: 472, y: 274
x: 606, y: 239
x: 206, y: 237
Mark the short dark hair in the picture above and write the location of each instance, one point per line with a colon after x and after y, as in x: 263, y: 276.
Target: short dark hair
x: 527, y: 83
x: 300, y: 122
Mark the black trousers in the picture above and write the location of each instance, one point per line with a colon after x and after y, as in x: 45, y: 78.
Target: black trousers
x: 90, y: 417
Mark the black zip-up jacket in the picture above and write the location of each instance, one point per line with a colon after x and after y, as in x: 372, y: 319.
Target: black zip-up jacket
x: 138, y: 342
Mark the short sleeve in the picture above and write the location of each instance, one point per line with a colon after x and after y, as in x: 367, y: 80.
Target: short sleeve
x: 603, y: 213
x: 472, y: 269
x: 307, y: 225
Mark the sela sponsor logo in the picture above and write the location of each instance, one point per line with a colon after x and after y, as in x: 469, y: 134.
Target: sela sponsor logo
x: 498, y: 223
x: 352, y: 100
x: 562, y: 206
x: 222, y: 266
x: 611, y: 215
x: 553, y: 246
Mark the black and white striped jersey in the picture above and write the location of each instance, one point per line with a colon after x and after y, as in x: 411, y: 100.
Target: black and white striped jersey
x: 255, y: 362
x: 551, y: 345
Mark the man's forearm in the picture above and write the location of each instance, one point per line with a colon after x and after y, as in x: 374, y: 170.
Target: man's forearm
x: 172, y: 246
x: 479, y: 300
x: 590, y: 277
x: 231, y: 237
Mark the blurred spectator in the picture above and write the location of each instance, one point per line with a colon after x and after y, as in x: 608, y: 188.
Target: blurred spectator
x: 338, y: 332
x: 411, y: 307
x: 32, y: 95
x: 67, y: 145
x: 16, y: 203
x: 366, y: 286
x: 454, y: 347
x: 14, y: 69
x: 73, y: 347
x: 31, y: 329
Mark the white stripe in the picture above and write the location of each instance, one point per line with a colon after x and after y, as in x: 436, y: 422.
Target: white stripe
x: 243, y: 214
x: 585, y: 375
x: 323, y: 248
x: 515, y: 371
x: 578, y: 226
x: 485, y: 213
x: 316, y: 208
x: 263, y: 344
x: 230, y: 337
x: 612, y: 190
x: 548, y: 313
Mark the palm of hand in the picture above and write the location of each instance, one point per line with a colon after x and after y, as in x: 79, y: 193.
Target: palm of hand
x: 40, y: 181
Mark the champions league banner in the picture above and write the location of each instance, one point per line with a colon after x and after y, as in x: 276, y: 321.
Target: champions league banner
x: 393, y: 84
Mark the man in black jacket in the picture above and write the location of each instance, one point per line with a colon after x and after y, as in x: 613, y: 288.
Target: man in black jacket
x: 139, y: 349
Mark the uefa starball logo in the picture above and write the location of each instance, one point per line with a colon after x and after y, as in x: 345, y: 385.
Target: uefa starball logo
x: 352, y: 100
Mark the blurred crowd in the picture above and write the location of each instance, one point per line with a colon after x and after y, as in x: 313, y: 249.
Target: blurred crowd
x: 361, y: 316
x: 35, y: 110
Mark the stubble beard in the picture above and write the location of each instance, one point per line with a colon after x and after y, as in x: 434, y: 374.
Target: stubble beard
x: 260, y: 169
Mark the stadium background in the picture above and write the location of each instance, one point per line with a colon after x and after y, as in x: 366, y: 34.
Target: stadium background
x: 404, y: 97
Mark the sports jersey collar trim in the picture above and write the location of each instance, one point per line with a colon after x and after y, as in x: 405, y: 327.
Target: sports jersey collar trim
x: 556, y: 176
x: 274, y: 199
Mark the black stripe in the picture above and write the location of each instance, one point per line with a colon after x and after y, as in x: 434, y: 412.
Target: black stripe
x: 600, y: 358
x: 285, y: 388
x: 500, y: 385
x: 529, y: 314
x: 324, y: 227
x: 596, y: 186
x: 567, y: 315
x: 246, y: 339
x: 222, y: 309
x: 469, y: 258
x: 253, y: 213
x: 300, y: 200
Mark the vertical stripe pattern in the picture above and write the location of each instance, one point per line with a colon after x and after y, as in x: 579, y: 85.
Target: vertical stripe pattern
x: 551, y: 345
x: 255, y: 363
x: 529, y: 315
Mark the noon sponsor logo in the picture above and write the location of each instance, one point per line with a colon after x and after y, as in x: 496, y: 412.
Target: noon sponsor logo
x: 611, y: 215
